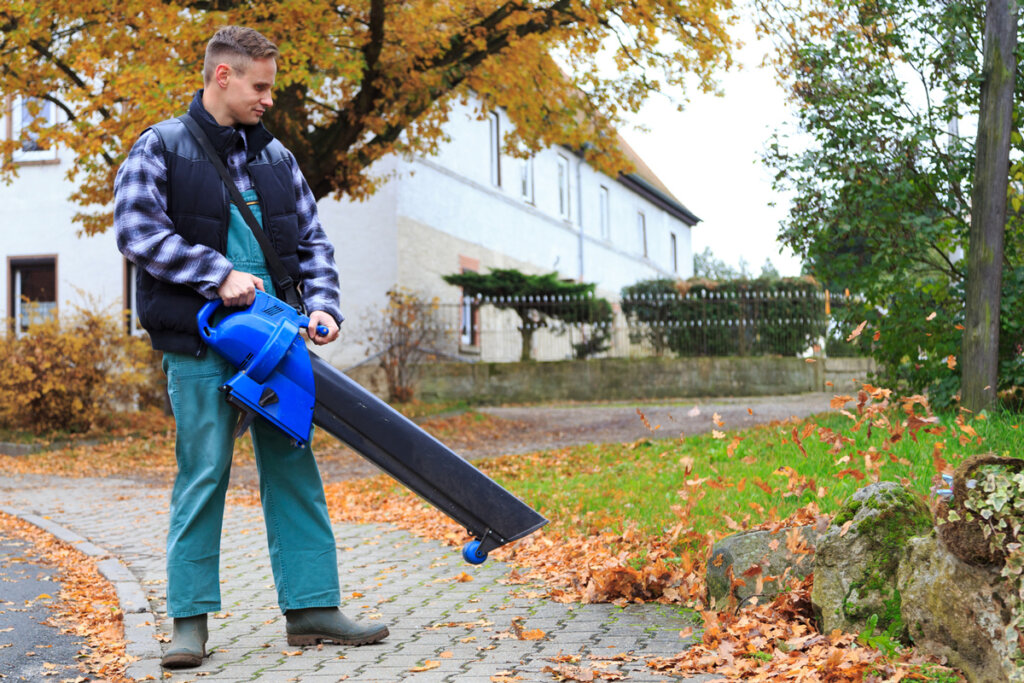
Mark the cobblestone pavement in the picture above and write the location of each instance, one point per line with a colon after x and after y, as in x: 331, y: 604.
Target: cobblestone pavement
x: 449, y: 629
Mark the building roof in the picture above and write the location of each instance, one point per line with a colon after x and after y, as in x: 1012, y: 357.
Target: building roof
x: 645, y: 182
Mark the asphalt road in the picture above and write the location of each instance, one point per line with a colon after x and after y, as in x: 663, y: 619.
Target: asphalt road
x: 30, y: 649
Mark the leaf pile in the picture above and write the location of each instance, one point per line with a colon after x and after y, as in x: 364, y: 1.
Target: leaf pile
x: 778, y: 642
x: 87, y: 605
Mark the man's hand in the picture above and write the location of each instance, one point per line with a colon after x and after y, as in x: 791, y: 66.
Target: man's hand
x: 239, y: 289
x: 325, y: 319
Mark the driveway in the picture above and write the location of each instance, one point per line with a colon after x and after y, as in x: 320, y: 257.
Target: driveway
x: 541, y: 427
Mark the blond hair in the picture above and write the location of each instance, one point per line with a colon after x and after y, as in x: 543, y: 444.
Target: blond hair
x: 237, y: 46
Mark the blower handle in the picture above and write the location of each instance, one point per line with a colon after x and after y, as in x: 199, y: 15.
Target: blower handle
x: 210, y: 307
x: 203, y: 319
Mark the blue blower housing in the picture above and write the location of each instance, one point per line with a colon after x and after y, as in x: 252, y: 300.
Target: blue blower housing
x: 274, y: 382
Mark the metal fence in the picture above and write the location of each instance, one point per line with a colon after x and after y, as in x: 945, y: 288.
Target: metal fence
x: 705, y: 323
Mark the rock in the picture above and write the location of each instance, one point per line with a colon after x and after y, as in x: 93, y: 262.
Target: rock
x: 965, y: 537
x: 856, y: 560
x: 762, y: 560
x: 959, y: 611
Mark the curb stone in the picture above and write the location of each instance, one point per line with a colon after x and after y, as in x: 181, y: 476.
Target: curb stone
x: 141, y: 645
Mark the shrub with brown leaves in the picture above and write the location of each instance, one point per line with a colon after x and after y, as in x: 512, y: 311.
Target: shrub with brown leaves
x: 71, y: 374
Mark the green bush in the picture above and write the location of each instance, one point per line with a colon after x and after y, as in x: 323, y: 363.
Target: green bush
x: 782, y: 317
x: 912, y: 338
x: 71, y: 375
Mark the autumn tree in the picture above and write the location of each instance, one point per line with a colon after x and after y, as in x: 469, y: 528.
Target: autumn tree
x: 356, y: 80
x: 882, y: 176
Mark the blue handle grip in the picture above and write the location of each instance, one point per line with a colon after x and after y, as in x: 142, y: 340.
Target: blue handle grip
x: 321, y: 330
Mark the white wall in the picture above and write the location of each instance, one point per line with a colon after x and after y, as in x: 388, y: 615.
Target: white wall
x: 452, y: 192
x: 36, y: 220
x: 364, y: 235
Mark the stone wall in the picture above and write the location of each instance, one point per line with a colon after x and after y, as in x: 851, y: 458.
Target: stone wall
x: 608, y: 379
x: 845, y: 375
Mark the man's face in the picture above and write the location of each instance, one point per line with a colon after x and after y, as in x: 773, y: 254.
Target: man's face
x: 248, y: 95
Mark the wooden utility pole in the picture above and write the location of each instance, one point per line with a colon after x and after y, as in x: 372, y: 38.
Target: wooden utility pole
x: 979, y: 360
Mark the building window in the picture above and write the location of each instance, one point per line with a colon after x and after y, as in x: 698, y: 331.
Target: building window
x: 130, y: 297
x: 603, y: 211
x: 563, y: 187
x: 28, y: 116
x: 641, y: 228
x: 495, y: 147
x: 469, y: 313
x: 526, y: 180
x: 33, y: 288
x: 675, y: 252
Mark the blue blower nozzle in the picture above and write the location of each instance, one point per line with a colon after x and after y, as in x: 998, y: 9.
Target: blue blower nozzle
x: 275, y: 377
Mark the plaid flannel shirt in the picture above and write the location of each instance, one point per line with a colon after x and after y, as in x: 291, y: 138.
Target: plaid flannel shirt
x: 146, y: 236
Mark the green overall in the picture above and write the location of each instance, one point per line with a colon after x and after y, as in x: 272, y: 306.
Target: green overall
x: 299, y: 534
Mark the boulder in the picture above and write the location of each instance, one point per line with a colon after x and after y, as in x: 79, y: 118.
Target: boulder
x: 761, y: 561
x: 857, y: 558
x: 959, y: 611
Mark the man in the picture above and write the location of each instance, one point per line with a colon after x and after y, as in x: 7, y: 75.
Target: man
x: 174, y: 220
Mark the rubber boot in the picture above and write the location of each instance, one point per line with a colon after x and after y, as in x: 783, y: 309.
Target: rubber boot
x: 316, y: 624
x: 188, y: 643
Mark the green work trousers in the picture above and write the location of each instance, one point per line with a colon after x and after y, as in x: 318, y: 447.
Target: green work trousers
x: 303, y: 555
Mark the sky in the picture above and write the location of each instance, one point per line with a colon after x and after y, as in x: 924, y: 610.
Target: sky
x: 709, y: 156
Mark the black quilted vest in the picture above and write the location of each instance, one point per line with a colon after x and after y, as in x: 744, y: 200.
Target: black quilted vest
x: 198, y: 206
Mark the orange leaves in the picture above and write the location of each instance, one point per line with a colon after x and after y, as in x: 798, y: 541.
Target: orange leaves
x: 525, y: 634
x: 857, y: 331
x: 839, y: 402
x: 647, y: 424
x: 421, y: 56
x: 778, y: 642
x: 426, y: 666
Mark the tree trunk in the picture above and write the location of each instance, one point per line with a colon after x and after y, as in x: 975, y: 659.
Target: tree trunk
x: 527, y: 331
x: 979, y: 361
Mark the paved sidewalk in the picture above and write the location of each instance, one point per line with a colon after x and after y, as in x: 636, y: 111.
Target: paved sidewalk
x: 453, y: 630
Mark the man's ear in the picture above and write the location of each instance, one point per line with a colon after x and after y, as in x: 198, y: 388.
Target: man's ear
x: 222, y: 74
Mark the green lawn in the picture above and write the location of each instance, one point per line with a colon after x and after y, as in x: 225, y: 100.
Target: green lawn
x: 744, y: 478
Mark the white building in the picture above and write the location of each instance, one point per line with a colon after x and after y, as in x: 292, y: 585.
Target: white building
x: 467, y: 208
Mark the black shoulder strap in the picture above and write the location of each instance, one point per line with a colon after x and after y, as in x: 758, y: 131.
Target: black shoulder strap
x: 277, y: 269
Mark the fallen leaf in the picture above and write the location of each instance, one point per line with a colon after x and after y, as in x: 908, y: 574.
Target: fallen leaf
x: 427, y: 666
